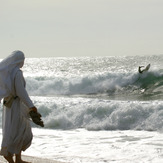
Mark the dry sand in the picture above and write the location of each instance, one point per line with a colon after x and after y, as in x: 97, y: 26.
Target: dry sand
x: 32, y: 160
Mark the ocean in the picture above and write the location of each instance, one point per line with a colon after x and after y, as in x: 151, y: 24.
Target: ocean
x: 97, y: 109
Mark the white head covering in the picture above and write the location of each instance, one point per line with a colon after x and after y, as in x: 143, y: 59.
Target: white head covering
x: 8, y: 68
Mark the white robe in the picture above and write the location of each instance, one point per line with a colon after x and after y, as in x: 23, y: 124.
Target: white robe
x: 17, y: 134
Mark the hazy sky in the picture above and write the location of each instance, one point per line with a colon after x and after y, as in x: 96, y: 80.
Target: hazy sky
x: 56, y: 28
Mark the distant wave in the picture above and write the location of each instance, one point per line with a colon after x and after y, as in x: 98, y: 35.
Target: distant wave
x: 149, y: 84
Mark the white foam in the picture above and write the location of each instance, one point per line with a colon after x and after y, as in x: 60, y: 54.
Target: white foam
x: 78, y: 146
x: 110, y: 83
x: 100, y: 114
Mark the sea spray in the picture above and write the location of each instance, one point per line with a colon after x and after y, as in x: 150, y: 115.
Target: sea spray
x: 100, y: 114
x: 112, y: 84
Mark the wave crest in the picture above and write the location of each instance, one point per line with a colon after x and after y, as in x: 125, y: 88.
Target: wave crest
x: 111, y: 84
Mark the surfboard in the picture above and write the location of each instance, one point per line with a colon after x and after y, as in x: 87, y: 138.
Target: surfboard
x: 147, y: 67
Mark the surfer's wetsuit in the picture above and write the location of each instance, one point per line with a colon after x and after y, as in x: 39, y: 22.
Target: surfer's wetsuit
x: 140, y: 71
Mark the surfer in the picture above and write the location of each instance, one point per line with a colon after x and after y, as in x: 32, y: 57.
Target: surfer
x: 146, y: 69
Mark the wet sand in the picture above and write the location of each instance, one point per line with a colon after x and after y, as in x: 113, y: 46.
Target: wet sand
x: 32, y: 160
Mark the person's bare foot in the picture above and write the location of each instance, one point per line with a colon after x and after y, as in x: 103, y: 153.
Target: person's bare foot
x: 19, y: 159
x: 9, y: 158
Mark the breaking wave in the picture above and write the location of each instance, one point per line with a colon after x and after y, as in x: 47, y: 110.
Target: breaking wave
x: 149, y: 84
x: 100, y: 114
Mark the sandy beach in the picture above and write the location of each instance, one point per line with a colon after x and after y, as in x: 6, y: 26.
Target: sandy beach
x: 33, y: 160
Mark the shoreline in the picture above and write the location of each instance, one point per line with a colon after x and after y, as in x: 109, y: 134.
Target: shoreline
x: 32, y: 159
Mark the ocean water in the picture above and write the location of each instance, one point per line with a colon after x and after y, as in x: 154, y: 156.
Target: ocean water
x: 97, y: 109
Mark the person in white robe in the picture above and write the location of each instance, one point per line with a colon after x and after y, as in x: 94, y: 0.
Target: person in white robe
x: 16, y: 129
